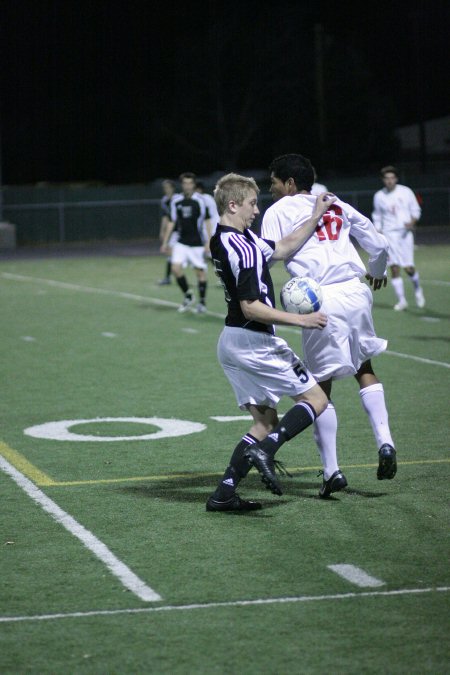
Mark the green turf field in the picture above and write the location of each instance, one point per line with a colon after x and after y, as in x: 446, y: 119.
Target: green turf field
x: 109, y: 561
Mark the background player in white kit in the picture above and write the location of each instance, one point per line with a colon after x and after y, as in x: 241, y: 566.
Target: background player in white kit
x: 348, y: 342
x: 395, y: 214
x: 260, y: 366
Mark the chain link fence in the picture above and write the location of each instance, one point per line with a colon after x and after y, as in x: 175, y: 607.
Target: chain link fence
x: 63, y: 216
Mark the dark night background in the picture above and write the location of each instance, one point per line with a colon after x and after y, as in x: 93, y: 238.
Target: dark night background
x: 128, y: 92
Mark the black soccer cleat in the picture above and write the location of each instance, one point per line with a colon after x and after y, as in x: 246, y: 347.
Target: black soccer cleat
x: 387, y: 462
x: 335, y: 483
x: 266, y: 467
x: 233, y: 504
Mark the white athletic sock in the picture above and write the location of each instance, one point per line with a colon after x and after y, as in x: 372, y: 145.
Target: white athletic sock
x: 325, y: 430
x: 372, y: 399
x: 415, y: 281
x: 398, y: 288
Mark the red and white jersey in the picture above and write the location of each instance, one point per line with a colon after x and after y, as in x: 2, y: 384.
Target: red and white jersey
x: 329, y: 255
x: 391, y: 210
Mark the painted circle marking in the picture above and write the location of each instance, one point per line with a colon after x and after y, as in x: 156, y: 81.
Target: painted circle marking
x: 168, y: 428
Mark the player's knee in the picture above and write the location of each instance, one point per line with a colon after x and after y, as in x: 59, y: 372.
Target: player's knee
x: 317, y: 398
x: 321, y: 402
x: 366, y: 376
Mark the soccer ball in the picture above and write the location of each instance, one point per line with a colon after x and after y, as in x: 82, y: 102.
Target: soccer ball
x: 301, y: 295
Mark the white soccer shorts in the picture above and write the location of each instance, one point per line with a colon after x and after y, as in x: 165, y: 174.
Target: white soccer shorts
x: 192, y: 255
x: 348, y: 339
x: 173, y: 239
x: 260, y: 367
x: 401, y: 248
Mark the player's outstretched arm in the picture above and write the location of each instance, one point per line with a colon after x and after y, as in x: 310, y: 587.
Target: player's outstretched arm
x: 255, y: 310
x: 290, y: 244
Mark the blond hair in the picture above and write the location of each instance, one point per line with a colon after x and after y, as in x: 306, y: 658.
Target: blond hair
x: 233, y: 188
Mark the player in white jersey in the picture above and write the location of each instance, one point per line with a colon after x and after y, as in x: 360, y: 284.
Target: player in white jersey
x: 395, y: 214
x: 348, y: 342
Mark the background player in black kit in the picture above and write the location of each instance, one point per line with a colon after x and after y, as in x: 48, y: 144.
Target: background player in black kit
x: 188, y: 215
x: 260, y: 366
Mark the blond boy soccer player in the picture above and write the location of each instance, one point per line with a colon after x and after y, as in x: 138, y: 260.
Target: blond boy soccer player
x: 260, y: 366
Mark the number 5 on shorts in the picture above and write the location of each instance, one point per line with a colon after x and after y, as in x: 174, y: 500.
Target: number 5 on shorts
x: 301, y: 373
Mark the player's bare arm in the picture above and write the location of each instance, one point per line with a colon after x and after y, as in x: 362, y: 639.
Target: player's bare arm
x: 163, y: 228
x: 168, y: 232
x: 411, y: 225
x: 290, y: 244
x: 255, y: 310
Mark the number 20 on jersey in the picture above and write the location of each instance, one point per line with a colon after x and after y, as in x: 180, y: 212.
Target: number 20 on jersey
x: 331, y: 224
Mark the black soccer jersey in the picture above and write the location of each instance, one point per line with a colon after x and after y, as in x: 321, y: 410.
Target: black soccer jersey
x: 241, y: 262
x: 188, y: 214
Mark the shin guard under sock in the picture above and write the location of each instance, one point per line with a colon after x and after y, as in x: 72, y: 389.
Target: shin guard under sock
x: 298, y: 418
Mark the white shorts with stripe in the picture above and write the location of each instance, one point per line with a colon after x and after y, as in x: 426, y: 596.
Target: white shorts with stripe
x: 401, y: 248
x: 192, y: 255
x: 261, y: 367
x: 348, y: 339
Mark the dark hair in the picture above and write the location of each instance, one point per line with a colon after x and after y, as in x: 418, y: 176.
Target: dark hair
x: 188, y: 174
x: 389, y: 169
x: 294, y: 166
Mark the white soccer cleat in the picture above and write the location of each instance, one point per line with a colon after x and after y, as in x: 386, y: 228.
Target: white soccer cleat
x: 401, y: 305
x: 420, y: 300
x: 187, y: 304
x: 201, y: 308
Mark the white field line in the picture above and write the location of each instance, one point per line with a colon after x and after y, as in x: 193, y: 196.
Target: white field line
x: 417, y: 358
x: 231, y: 418
x: 167, y: 303
x: 356, y: 576
x: 89, y: 289
x: 435, y: 282
x: 217, y: 605
x: 123, y: 573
